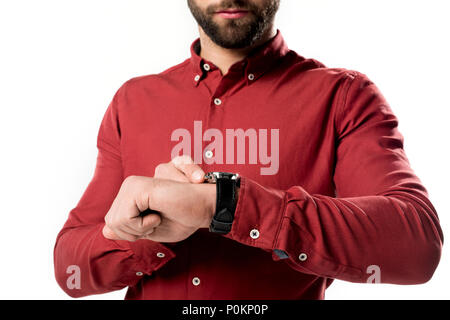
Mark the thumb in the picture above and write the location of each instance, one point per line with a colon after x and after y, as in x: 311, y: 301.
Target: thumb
x: 150, y: 221
x: 192, y: 171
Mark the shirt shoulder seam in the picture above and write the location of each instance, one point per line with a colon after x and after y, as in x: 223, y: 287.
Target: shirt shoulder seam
x: 343, y: 96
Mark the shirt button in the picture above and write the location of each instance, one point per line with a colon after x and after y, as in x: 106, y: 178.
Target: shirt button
x: 139, y: 274
x: 197, y: 77
x: 196, y: 281
x: 251, y: 77
x: 209, y: 154
x: 160, y: 255
x: 254, y: 234
x: 206, y: 67
x: 217, y: 101
x: 302, y: 257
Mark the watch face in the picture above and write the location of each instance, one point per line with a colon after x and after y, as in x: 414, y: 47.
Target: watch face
x: 212, y: 177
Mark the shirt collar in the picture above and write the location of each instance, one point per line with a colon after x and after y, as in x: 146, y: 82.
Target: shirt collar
x: 257, y: 62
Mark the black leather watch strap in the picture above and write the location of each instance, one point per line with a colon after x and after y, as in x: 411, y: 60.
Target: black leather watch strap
x: 225, y: 205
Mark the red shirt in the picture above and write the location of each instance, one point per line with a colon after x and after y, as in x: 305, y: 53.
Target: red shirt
x: 342, y: 202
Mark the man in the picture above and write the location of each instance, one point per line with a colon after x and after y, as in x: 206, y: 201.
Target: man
x: 247, y: 172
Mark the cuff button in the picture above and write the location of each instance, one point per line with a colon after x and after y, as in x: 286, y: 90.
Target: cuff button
x: 254, y: 234
x: 195, y: 281
x: 302, y: 257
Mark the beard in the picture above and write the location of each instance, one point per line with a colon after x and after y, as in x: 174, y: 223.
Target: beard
x: 236, y: 33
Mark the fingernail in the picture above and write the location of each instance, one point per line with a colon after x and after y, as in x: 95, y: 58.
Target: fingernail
x: 197, y: 175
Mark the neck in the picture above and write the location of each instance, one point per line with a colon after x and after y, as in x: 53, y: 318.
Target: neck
x: 224, y: 58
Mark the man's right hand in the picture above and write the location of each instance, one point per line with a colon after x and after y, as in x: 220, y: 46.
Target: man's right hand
x: 123, y: 220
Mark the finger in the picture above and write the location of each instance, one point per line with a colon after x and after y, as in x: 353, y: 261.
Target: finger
x: 131, y: 231
x: 174, y: 174
x: 117, y: 234
x: 109, y: 234
x: 142, y: 225
x: 170, y: 172
x: 191, y: 170
x: 145, y: 236
x: 151, y: 221
x: 128, y: 225
x: 123, y: 235
x: 155, y: 235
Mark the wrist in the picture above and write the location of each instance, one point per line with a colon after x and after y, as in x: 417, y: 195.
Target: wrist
x: 227, y: 191
x: 209, y: 200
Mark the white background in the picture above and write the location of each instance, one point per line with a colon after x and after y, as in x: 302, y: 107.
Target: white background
x: 62, y: 61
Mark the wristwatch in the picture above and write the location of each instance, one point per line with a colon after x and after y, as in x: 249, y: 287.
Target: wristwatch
x: 226, y: 184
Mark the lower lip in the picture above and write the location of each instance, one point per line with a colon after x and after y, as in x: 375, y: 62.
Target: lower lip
x: 233, y: 15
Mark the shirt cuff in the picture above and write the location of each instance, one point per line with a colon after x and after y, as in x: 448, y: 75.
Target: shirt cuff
x: 147, y: 256
x: 256, y: 223
x: 151, y: 255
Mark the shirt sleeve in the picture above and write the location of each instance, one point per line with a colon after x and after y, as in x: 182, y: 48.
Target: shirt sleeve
x: 381, y: 217
x: 104, y: 265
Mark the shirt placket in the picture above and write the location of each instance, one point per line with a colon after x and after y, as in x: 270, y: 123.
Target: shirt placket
x: 217, y: 99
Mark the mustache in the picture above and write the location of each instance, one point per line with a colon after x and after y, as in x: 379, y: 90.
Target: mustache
x: 231, y: 4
